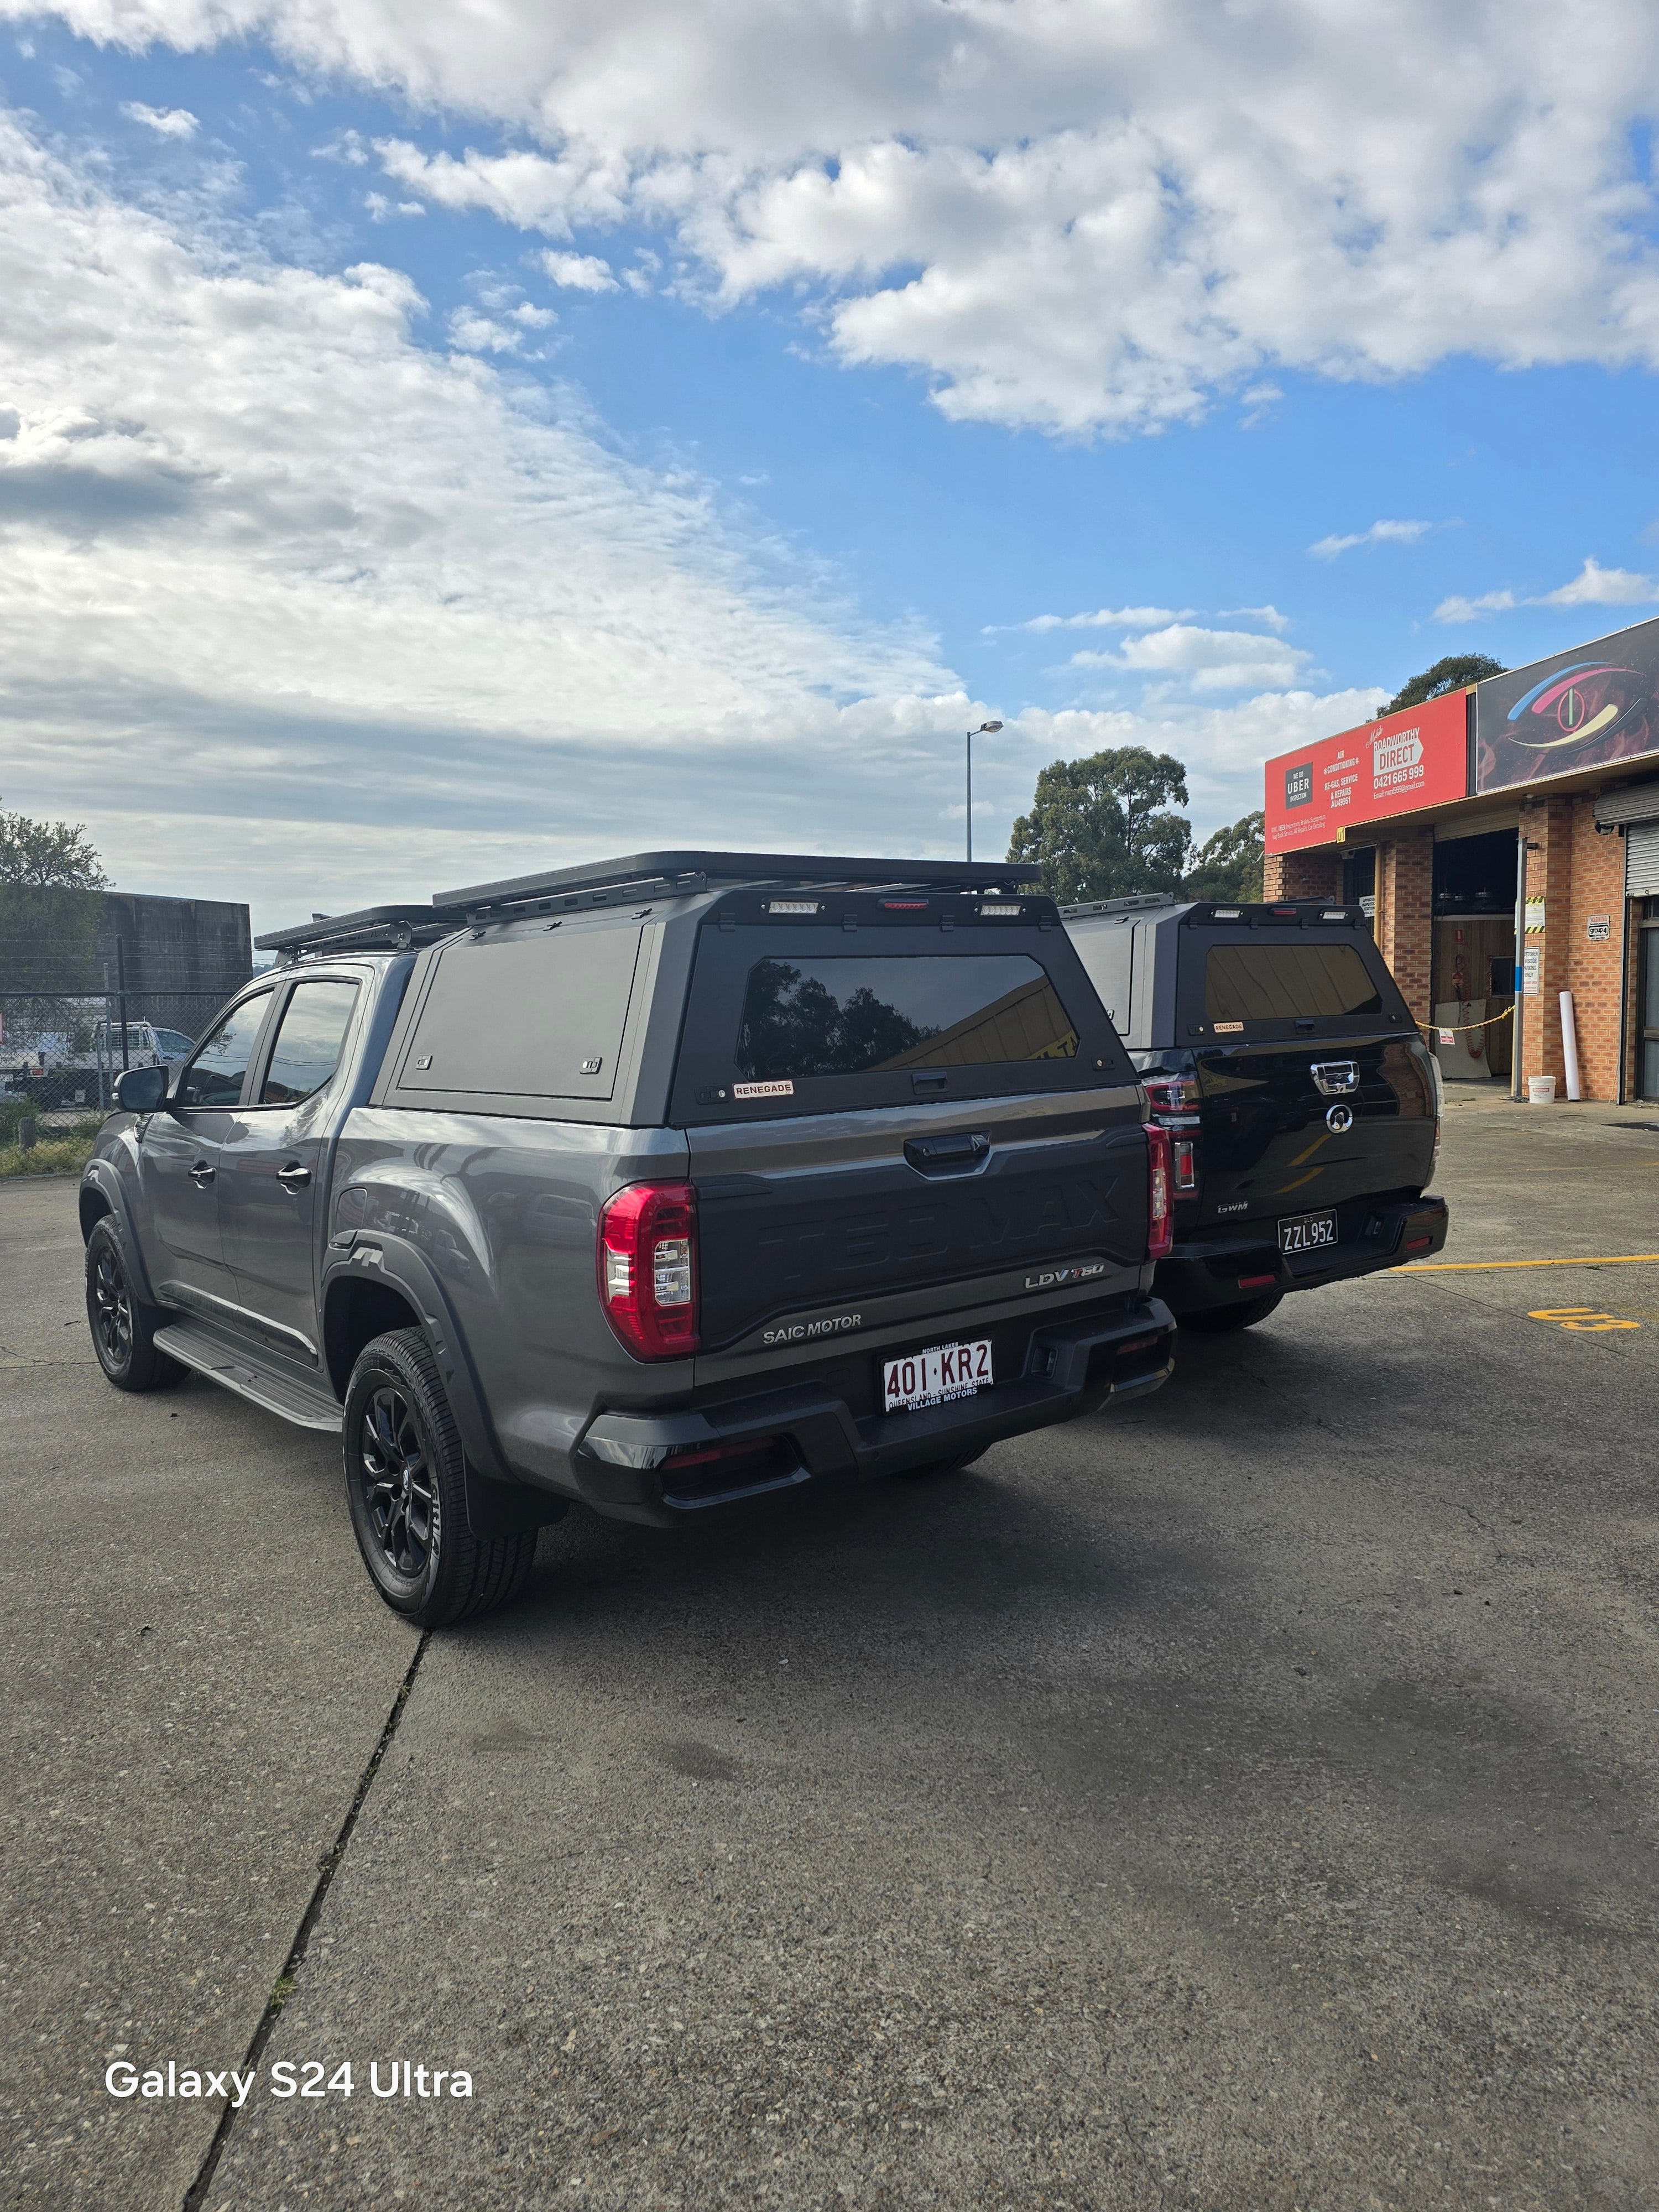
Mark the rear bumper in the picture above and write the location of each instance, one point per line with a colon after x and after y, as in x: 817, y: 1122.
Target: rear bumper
x: 636, y: 1466
x: 1205, y: 1270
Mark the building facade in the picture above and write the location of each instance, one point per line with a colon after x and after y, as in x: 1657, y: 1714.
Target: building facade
x: 1426, y: 816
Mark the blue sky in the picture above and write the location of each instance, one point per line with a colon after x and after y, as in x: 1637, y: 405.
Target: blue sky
x: 418, y: 456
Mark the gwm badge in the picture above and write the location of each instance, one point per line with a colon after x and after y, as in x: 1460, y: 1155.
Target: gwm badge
x: 1339, y: 1120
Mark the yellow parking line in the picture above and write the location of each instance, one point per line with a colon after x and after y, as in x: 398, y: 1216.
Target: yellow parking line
x: 1480, y: 1266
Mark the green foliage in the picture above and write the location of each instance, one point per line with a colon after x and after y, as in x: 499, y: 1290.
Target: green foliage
x: 49, y: 879
x: 1098, y: 827
x: 48, y: 855
x: 1228, y: 866
x: 1450, y: 674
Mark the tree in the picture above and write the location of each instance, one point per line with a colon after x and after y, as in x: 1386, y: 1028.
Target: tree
x: 49, y: 855
x: 1450, y: 674
x: 50, y: 877
x: 1227, y: 865
x: 1097, y: 826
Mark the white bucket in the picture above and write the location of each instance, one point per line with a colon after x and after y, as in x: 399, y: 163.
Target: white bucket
x: 1541, y: 1091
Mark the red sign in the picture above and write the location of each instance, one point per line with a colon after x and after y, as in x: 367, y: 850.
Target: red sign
x: 1419, y: 758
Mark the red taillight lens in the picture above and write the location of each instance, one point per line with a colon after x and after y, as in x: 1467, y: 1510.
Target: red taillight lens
x: 647, y: 1264
x: 1160, y: 1194
x: 1186, y: 1167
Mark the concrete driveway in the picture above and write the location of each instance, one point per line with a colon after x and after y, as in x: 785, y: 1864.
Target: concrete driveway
x: 1244, y: 1802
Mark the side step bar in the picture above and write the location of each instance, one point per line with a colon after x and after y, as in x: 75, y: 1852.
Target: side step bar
x: 193, y: 1345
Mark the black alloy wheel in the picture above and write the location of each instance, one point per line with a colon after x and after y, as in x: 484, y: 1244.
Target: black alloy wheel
x: 403, y: 1509
x: 405, y: 1475
x: 123, y: 1325
x: 109, y: 1307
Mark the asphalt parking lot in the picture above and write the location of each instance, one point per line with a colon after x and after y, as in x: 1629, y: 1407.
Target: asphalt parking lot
x: 1247, y: 1801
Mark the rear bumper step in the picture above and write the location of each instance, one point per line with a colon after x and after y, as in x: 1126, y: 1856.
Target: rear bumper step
x: 659, y: 1467
x: 1219, y: 1268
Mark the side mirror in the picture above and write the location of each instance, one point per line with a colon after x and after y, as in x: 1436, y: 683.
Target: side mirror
x: 141, y: 1090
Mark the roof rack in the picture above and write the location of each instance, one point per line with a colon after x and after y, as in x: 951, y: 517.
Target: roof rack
x: 1138, y: 904
x: 675, y: 874
x: 372, y: 929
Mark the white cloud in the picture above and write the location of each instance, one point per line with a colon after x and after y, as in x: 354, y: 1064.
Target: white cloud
x: 1593, y: 586
x: 1109, y: 618
x: 294, y: 607
x: 1084, y: 218
x: 1210, y: 659
x: 1596, y: 586
x: 1269, y: 615
x: 1457, y: 609
x: 1380, y: 533
x: 169, y: 122
x: 579, y: 272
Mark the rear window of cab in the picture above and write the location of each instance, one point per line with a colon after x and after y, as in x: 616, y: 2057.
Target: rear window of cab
x: 864, y: 1014
x: 1260, y: 981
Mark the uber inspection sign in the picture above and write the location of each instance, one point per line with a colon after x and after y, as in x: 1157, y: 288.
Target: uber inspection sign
x: 929, y: 1378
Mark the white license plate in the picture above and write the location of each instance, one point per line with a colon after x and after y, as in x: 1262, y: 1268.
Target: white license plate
x: 1306, y: 1232
x: 932, y: 1378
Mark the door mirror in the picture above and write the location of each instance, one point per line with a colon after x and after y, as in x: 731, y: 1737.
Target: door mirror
x: 141, y: 1090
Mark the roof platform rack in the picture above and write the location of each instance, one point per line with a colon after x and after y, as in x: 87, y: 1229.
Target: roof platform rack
x: 664, y: 875
x: 371, y: 929
x: 1137, y: 902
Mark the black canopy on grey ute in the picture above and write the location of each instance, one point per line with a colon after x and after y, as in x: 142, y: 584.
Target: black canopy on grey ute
x: 1302, y: 1106
x: 659, y: 1185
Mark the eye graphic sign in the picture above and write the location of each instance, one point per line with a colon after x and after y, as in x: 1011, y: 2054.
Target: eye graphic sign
x: 1589, y: 707
x: 1419, y: 758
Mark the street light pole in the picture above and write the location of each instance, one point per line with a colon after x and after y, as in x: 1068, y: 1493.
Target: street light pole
x: 985, y: 729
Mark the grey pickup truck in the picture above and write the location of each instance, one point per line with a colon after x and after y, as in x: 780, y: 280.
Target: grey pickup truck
x: 659, y: 1185
x: 1303, y: 1106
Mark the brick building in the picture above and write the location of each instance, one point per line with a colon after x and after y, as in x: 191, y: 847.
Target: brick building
x: 1421, y: 817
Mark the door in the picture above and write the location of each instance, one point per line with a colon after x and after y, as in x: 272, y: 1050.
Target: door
x: 1647, y: 1075
x: 271, y: 1165
x: 180, y: 1160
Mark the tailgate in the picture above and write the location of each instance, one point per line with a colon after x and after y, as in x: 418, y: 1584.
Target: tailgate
x: 1293, y: 1129
x: 813, y: 1211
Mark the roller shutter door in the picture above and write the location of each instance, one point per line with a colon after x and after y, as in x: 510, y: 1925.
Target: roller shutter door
x: 1642, y: 860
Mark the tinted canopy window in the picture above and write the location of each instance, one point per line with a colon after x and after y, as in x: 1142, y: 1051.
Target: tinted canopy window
x: 1262, y: 982
x: 861, y: 1015
x: 214, y: 1078
x: 539, y: 1015
x: 308, y: 1048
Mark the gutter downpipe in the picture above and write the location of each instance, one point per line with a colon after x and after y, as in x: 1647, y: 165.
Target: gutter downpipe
x: 1516, y: 1082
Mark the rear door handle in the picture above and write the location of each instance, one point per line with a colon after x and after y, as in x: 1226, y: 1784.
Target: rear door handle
x: 293, y: 1175
x: 201, y: 1175
x: 956, y: 1154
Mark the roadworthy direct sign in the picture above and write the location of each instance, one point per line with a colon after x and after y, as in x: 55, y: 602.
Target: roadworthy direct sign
x: 1419, y: 758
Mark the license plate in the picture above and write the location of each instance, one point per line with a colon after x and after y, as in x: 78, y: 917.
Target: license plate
x: 1306, y: 1232
x: 932, y: 1378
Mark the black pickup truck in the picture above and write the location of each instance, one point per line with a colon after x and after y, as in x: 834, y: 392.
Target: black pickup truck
x: 658, y: 1184
x: 1302, y: 1104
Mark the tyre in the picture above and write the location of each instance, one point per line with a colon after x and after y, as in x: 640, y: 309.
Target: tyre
x: 1223, y: 1321
x: 123, y: 1325
x: 406, y: 1484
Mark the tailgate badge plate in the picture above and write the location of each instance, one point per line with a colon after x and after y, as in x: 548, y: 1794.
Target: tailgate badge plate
x: 1332, y: 1078
x: 1339, y: 1120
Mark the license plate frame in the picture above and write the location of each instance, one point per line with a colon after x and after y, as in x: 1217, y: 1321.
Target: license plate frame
x: 1291, y: 1242
x: 912, y: 1381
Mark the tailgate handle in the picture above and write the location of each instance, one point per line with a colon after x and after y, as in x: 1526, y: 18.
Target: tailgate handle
x: 953, y: 1155
x: 1332, y: 1078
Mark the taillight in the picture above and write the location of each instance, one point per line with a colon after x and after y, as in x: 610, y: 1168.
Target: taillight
x: 647, y: 1264
x: 1160, y: 1194
x: 1186, y: 1165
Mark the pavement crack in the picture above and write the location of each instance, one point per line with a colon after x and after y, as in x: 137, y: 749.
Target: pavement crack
x: 282, y: 1988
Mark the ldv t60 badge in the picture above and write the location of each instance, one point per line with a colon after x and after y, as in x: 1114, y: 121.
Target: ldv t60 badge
x: 1339, y: 1120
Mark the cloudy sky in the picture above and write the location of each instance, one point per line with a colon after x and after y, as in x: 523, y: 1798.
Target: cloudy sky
x: 437, y: 438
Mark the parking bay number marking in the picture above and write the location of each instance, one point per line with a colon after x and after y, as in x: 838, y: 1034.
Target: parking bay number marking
x: 1585, y: 1319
